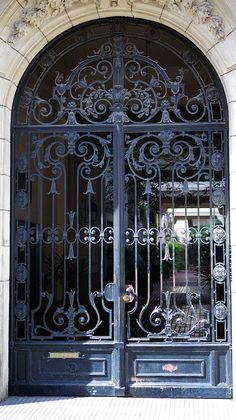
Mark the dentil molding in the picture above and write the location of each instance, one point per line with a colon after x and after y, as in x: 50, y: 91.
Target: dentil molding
x: 202, y: 12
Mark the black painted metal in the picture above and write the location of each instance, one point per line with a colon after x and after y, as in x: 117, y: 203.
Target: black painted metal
x: 120, y: 274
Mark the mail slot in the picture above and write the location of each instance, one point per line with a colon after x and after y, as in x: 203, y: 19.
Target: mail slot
x: 67, y: 355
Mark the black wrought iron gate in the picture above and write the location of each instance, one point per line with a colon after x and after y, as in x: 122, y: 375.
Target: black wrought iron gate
x: 120, y: 257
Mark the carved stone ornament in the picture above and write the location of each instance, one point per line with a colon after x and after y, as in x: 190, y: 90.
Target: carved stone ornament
x: 202, y: 12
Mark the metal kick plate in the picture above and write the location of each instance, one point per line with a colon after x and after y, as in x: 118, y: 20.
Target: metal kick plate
x: 67, y: 355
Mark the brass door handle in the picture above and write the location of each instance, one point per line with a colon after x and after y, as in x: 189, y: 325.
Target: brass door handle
x: 129, y: 294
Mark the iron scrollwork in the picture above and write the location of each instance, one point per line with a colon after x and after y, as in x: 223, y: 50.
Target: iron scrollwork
x: 175, y: 192
x: 91, y: 154
x: 143, y: 91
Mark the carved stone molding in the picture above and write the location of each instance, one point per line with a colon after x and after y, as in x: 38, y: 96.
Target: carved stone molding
x: 201, y: 12
x: 33, y: 16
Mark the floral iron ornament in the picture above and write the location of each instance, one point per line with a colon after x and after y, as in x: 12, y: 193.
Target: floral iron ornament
x: 202, y: 12
x: 145, y: 93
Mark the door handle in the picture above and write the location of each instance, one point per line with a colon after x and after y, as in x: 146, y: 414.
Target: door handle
x: 129, y: 294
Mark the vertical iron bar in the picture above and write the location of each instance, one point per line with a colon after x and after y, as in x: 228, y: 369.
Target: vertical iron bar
x: 212, y: 248
x: 65, y: 202
x: 103, y: 186
x: 186, y: 241
x: 53, y: 247
x: 119, y: 259
x: 119, y: 234
x: 135, y: 230
x: 28, y: 222
x: 227, y: 229
x: 160, y: 231
x: 172, y: 231
x: 78, y: 212
x: 148, y: 252
x: 40, y: 187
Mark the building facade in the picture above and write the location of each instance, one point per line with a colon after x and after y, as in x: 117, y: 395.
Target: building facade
x: 161, y: 76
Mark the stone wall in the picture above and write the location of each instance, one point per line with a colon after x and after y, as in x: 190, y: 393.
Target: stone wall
x: 26, y: 26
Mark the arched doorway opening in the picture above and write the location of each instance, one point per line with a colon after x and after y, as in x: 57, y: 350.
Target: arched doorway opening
x: 120, y: 268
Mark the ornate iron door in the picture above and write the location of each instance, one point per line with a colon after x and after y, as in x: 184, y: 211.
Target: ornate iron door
x: 120, y: 273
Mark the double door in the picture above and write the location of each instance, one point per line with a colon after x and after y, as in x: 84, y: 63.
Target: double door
x: 120, y: 263
x: 119, y: 245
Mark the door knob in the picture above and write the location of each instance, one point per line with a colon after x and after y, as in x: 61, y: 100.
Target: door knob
x: 129, y: 294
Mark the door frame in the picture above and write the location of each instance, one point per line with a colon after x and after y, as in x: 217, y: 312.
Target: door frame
x: 119, y: 351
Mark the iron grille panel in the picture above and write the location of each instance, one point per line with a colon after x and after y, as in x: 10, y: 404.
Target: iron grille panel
x: 120, y: 159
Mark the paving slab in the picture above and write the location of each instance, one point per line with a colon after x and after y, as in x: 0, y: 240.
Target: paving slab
x: 99, y: 408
